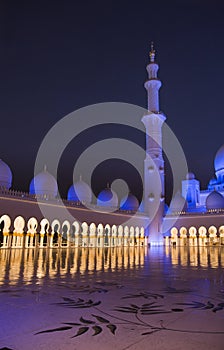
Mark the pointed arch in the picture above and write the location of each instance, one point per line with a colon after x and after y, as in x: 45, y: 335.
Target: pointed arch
x: 5, y: 237
x: 75, y: 236
x: 32, y: 225
x: 55, y: 232
x: 18, y: 232
x: 65, y: 230
x: 85, y: 234
x: 107, y: 234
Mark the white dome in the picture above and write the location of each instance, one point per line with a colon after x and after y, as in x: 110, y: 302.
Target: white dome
x: 219, y: 159
x: 214, y: 201
x: 190, y: 176
x: 5, y: 175
x: 129, y: 202
x: 44, y: 184
x: 107, y: 198
x: 80, y: 191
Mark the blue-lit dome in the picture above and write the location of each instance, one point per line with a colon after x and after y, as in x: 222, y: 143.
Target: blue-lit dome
x: 212, y: 184
x: 219, y: 159
x: 214, y: 201
x: 129, y: 203
x: 44, y: 184
x: 213, y: 181
x: 107, y: 198
x: 80, y: 191
x: 5, y: 175
x: 190, y: 176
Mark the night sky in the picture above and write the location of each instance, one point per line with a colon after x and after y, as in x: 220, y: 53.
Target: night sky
x: 57, y: 56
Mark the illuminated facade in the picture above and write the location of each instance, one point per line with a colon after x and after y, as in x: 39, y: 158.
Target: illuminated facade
x: 198, y: 214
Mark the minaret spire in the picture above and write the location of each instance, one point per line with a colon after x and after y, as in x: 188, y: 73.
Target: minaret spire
x: 152, y: 53
x: 154, y: 164
x: 153, y: 84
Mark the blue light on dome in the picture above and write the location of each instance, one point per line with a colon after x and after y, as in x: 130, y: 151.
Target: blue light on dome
x: 80, y: 191
x: 107, y: 198
x: 141, y: 208
x: 44, y: 184
x: 72, y: 196
x: 5, y: 175
x: 129, y: 203
x: 219, y: 159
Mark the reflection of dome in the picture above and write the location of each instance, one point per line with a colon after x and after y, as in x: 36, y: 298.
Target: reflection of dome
x: 107, y: 198
x: 219, y: 159
x: 190, y: 176
x: 80, y: 191
x: 129, y: 203
x: 5, y: 175
x: 44, y: 184
x: 215, y: 201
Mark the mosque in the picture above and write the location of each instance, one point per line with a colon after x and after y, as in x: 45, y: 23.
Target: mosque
x: 40, y: 219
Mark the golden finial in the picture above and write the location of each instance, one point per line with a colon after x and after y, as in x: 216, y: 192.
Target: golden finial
x: 152, y: 53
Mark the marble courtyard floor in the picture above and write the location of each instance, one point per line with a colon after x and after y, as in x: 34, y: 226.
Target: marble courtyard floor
x: 112, y: 298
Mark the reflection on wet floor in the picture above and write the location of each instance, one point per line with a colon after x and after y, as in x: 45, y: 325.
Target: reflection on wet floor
x: 106, y: 298
x: 31, y: 265
x: 28, y: 265
x: 196, y: 256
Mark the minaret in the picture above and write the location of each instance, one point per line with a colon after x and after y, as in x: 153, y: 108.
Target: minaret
x: 154, y: 163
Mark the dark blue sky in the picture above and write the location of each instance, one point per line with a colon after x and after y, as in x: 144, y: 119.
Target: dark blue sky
x: 57, y: 56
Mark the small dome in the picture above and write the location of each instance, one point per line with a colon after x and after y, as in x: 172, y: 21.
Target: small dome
x: 213, y: 182
x: 44, y: 184
x: 80, y: 191
x: 107, y: 198
x: 214, y: 201
x: 190, y: 176
x: 219, y: 159
x: 130, y: 202
x: 5, y: 175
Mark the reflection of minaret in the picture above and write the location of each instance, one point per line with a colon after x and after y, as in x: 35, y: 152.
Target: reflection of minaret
x: 154, y: 163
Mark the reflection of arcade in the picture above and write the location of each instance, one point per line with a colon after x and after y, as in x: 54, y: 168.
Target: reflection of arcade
x: 33, y: 266
x: 196, y: 256
x: 1, y: 232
